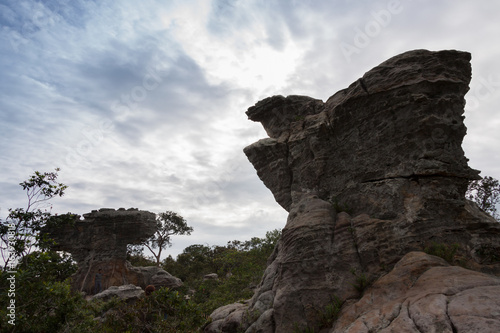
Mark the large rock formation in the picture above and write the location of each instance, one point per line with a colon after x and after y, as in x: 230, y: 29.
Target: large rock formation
x: 375, y: 172
x: 100, y: 240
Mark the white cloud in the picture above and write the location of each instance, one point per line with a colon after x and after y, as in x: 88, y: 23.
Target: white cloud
x: 142, y: 105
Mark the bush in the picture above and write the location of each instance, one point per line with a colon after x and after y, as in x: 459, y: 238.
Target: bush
x: 45, y: 303
x: 361, y: 281
x: 43, y: 306
x: 331, y: 312
x: 486, y: 193
x: 445, y: 251
x: 163, y: 311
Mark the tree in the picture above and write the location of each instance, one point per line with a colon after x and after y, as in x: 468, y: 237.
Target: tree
x: 486, y: 193
x: 167, y: 224
x: 20, y: 232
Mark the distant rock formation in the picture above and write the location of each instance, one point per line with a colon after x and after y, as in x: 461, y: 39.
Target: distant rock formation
x: 100, y: 242
x: 375, y: 172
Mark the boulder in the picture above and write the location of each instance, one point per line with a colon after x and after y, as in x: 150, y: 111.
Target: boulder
x: 375, y: 172
x: 211, y: 276
x: 425, y: 294
x: 127, y: 293
x: 156, y: 276
x: 226, y: 318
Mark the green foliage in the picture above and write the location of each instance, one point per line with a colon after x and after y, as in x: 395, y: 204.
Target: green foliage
x: 486, y: 193
x: 361, y: 281
x: 239, y: 265
x: 167, y: 224
x: 445, y: 251
x: 50, y: 306
x: 46, y: 304
x: 20, y: 233
x: 331, y: 312
x: 194, y: 262
x: 340, y: 207
x: 298, y: 329
x: 51, y: 265
x: 163, y: 311
x: 489, y: 253
x: 43, y: 306
x: 136, y: 256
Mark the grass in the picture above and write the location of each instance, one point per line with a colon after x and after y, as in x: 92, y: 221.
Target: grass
x: 361, y: 282
x: 331, y: 312
x: 442, y: 250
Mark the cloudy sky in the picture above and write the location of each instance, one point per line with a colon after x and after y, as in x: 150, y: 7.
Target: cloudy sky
x: 142, y: 103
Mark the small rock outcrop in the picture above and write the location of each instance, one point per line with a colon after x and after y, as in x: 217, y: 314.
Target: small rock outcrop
x: 100, y: 240
x: 375, y: 172
x: 157, y: 277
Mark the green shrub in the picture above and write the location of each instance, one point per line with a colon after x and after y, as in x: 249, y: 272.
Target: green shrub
x: 163, y: 311
x: 361, y: 281
x: 489, y: 253
x: 44, y: 306
x: 340, y: 207
x: 445, y: 251
x: 298, y: 329
x: 331, y: 312
x: 45, y: 303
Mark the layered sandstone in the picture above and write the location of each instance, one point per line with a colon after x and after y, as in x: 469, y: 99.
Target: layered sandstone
x: 373, y: 173
x: 425, y: 294
x: 100, y: 240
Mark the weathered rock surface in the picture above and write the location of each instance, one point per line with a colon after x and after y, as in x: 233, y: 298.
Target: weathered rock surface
x: 127, y: 293
x: 425, y: 294
x: 375, y: 172
x: 211, y: 276
x: 100, y: 240
x: 153, y: 275
x: 227, y: 318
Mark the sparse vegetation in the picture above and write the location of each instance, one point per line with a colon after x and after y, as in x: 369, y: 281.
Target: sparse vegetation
x: 486, y: 193
x: 20, y: 233
x: 167, y: 224
x: 48, y: 305
x: 45, y: 303
x: 340, y: 207
x: 297, y: 329
x: 445, y: 251
x: 331, y: 312
x: 361, y: 281
x: 489, y: 253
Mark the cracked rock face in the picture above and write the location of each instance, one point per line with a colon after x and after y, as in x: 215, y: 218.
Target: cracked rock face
x: 400, y: 123
x: 100, y: 240
x: 425, y: 294
x: 373, y: 173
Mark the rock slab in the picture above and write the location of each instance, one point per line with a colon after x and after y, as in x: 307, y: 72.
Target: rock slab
x: 128, y: 293
x: 425, y: 294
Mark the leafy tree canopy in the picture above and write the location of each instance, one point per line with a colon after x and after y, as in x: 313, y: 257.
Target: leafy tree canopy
x: 486, y: 193
x: 167, y: 224
x: 20, y: 233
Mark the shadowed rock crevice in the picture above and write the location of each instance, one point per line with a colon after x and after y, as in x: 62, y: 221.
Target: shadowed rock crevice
x: 372, y: 174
